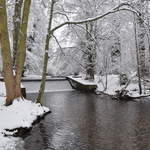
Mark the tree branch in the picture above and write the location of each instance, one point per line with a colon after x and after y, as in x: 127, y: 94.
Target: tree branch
x: 116, y: 9
x: 65, y: 54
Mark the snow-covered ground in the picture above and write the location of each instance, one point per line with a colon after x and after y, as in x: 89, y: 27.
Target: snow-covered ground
x: 113, y: 85
x: 81, y: 80
x: 22, y: 113
x: 11, y: 143
x: 2, y: 89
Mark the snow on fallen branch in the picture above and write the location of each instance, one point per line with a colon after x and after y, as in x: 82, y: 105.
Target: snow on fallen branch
x: 128, y: 91
x: 123, y: 91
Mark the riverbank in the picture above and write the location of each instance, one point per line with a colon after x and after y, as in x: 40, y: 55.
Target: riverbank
x: 20, y: 115
x: 110, y: 85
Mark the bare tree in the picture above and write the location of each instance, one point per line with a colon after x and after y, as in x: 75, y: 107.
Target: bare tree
x: 141, y: 37
x: 48, y: 38
x: 6, y: 55
x: 13, y: 81
x: 137, y: 56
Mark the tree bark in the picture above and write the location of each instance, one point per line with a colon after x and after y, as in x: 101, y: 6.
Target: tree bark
x: 21, y: 48
x: 13, y: 83
x: 48, y: 37
x: 6, y: 55
x: 116, y: 9
x: 137, y: 57
x: 90, y: 56
x: 17, y: 22
x: 141, y: 39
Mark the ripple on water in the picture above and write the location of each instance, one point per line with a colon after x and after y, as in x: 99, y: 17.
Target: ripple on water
x: 82, y: 121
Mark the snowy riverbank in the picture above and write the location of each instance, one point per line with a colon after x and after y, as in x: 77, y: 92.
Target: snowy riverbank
x: 21, y: 114
x: 111, y: 84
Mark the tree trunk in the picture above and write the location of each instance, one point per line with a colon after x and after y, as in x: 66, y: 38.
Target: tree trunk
x: 148, y: 33
x: 137, y: 57
x: 17, y: 22
x: 12, y: 83
x: 21, y: 48
x: 90, y: 56
x: 6, y: 55
x: 48, y: 37
x: 141, y: 39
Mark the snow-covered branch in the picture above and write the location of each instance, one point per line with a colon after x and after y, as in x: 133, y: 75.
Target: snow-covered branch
x: 116, y: 9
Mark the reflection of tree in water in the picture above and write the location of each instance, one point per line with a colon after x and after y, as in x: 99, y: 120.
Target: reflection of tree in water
x: 118, y: 126
x: 85, y: 128
x: 142, y: 128
x: 39, y: 138
x: 82, y: 121
x: 74, y: 123
x: 45, y: 137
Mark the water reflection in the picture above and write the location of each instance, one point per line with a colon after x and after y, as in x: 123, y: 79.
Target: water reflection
x: 82, y: 121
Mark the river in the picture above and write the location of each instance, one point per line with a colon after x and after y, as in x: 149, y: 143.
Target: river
x: 85, y: 121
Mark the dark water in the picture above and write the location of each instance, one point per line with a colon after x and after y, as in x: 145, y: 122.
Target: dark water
x: 88, y: 122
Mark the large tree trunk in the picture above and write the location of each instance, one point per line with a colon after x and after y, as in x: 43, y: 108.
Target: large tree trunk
x: 17, y: 22
x: 13, y: 83
x: 21, y: 48
x: 48, y: 37
x: 6, y: 55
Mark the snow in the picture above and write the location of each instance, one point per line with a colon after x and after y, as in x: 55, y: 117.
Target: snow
x: 35, y: 77
x: 11, y: 143
x: 2, y: 89
x: 113, y: 85
x: 82, y: 81
x: 32, y: 77
x: 22, y: 113
x: 134, y: 90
